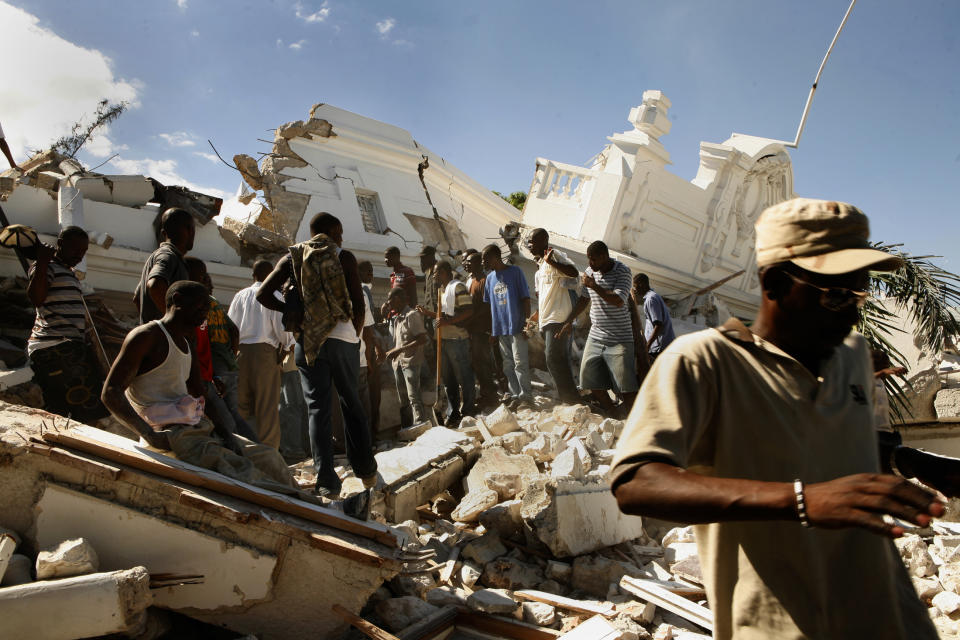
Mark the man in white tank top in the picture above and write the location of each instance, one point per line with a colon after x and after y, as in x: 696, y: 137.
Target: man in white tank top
x: 146, y: 390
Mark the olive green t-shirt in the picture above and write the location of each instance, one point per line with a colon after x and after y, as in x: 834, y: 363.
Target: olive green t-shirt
x: 725, y: 403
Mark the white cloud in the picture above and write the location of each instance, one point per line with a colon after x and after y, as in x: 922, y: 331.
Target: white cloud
x: 195, y: 33
x: 317, y: 16
x: 164, y: 171
x: 296, y: 46
x: 279, y: 43
x: 37, y: 108
x: 386, y: 26
x: 208, y: 156
x: 178, y: 139
x: 182, y: 4
x: 101, y: 146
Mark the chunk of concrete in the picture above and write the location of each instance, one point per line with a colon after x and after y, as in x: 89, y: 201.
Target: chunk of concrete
x: 501, y: 421
x: 504, y: 519
x: 505, y: 484
x: 545, y: 447
x: 484, y: 549
x: 539, y: 613
x: 473, y: 504
x: 515, y: 442
x: 559, y: 571
x: 679, y: 534
x: 445, y: 595
x: 573, y: 518
x: 947, y: 601
x: 18, y: 571
x: 70, y: 558
x: 8, y: 545
x: 399, y: 613
x: 85, y: 606
x: 497, y: 460
x: 927, y: 587
x: 572, y: 416
x: 612, y: 426
x: 492, y: 601
x: 915, y: 556
x: 568, y: 464
x: 509, y: 573
x: 947, y: 404
x: 585, y: 456
x: 594, y: 574
x: 469, y: 574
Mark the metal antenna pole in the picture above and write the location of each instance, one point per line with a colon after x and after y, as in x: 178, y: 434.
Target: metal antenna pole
x: 816, y: 81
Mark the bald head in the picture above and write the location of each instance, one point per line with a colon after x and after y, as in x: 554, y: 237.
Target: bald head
x: 262, y: 269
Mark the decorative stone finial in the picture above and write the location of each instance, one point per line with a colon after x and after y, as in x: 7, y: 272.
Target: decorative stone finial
x: 651, y: 116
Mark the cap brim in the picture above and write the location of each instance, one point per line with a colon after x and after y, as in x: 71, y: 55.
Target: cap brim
x: 847, y: 260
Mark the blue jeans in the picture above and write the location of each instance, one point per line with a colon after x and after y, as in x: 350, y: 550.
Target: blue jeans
x: 337, y: 363
x: 408, y: 391
x: 458, y: 377
x: 516, y: 365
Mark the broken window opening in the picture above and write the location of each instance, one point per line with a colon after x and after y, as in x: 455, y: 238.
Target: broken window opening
x: 371, y: 213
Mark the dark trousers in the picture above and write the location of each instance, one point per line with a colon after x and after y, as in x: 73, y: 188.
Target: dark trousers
x: 220, y: 414
x: 293, y: 415
x: 458, y: 377
x: 70, y: 379
x: 481, y: 356
x: 337, y: 363
x: 558, y: 362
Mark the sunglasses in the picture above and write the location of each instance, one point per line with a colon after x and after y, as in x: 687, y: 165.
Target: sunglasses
x: 835, y: 298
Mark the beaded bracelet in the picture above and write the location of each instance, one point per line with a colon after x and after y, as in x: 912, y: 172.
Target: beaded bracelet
x: 801, y: 503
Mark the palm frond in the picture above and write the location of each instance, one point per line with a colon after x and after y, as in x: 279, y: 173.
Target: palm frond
x: 927, y: 293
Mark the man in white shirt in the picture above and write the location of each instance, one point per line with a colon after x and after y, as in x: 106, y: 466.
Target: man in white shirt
x: 263, y: 342
x: 555, y: 280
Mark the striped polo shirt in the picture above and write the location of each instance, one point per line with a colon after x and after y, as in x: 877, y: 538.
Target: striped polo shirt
x: 610, y: 324
x: 61, y: 315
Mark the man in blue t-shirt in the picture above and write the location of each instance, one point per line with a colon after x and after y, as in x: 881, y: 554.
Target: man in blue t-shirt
x: 509, y: 298
x: 658, y: 331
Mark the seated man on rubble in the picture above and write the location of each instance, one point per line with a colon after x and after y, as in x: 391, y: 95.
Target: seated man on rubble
x: 764, y: 438
x: 146, y: 390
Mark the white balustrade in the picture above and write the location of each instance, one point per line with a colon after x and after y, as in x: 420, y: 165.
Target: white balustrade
x: 560, y: 181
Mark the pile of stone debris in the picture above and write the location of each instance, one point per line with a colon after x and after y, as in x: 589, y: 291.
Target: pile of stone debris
x: 510, y: 515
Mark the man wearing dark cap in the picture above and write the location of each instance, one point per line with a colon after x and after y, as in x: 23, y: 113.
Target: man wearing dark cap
x: 764, y: 439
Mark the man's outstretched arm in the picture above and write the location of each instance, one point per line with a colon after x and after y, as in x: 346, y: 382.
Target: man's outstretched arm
x: 662, y: 490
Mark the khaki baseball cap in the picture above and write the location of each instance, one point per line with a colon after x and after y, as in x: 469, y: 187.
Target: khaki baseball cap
x: 821, y: 236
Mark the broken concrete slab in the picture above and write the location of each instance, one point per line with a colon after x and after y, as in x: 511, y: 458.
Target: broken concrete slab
x: 509, y: 573
x: 505, y: 484
x: 539, y: 613
x: 400, y: 613
x: 85, y: 606
x: 573, y: 518
x: 497, y: 460
x: 233, y: 575
x: 568, y: 464
x: 8, y: 544
x: 492, y: 601
x: 473, y: 504
x: 504, y: 519
x: 413, y: 475
x: 594, y: 574
x: 69, y: 558
x: 445, y: 595
x: 545, y: 447
x: 484, y: 549
x: 915, y: 556
x: 501, y: 421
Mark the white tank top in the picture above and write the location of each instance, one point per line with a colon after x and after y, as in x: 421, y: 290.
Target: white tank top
x: 167, y: 382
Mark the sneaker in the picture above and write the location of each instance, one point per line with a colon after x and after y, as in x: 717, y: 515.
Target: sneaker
x: 328, y: 486
x: 453, y: 420
x: 358, y: 505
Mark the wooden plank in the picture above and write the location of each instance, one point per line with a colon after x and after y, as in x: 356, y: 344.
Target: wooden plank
x: 367, y: 628
x: 196, y: 501
x: 596, y: 628
x: 447, y: 571
x: 566, y: 603
x: 436, y: 622
x: 650, y: 591
x: 145, y: 460
x: 356, y: 553
x: 504, y: 627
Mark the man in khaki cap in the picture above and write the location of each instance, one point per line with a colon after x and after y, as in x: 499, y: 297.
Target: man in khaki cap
x: 764, y: 439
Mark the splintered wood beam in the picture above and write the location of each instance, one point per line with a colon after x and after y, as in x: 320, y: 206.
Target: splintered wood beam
x: 650, y: 591
x: 569, y: 604
x: 367, y: 628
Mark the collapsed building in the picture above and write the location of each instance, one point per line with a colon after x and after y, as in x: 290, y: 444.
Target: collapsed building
x: 503, y: 527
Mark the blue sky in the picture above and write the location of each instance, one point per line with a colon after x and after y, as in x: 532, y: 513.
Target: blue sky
x: 493, y: 85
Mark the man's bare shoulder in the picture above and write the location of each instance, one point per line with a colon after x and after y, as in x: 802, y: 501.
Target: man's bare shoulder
x: 145, y: 334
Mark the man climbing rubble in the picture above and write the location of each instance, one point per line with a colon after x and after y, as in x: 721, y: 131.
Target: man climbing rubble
x: 764, y: 438
x: 146, y: 391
